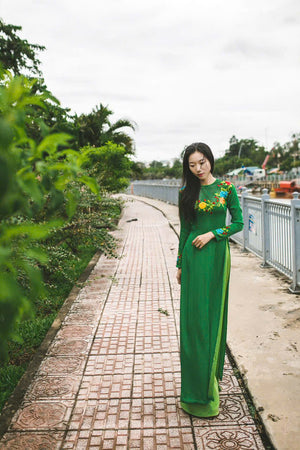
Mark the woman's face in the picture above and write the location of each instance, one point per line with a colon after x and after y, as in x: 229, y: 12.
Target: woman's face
x: 199, y: 165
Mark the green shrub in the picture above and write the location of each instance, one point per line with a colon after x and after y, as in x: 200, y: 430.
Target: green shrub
x: 43, y: 203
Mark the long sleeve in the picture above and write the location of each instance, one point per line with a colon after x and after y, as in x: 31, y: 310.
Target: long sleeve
x: 235, y: 210
x: 185, y: 228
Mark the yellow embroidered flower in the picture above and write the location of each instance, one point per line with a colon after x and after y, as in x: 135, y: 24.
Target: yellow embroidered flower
x: 222, y: 200
x: 202, y: 205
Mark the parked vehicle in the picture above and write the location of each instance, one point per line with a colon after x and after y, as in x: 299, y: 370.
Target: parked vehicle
x: 286, y: 188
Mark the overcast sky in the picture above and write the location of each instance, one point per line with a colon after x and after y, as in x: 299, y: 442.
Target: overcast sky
x: 184, y: 71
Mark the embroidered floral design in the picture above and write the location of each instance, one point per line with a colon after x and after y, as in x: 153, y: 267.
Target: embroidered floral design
x: 179, y: 257
x: 220, y: 198
x: 222, y: 231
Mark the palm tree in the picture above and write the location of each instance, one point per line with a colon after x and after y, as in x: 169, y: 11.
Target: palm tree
x: 96, y: 129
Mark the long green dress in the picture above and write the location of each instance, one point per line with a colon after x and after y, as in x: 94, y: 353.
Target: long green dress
x: 204, y: 296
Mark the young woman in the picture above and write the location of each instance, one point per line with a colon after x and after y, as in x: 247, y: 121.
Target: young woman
x: 203, y: 271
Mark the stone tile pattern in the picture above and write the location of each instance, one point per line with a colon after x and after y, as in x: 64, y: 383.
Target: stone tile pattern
x: 111, y: 378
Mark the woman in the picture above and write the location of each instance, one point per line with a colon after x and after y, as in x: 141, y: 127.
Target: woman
x: 203, y: 271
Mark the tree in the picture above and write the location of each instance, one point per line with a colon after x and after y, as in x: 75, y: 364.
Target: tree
x: 17, y: 54
x: 96, y: 129
x: 233, y: 147
x: 137, y: 170
x: 20, y: 57
x: 52, y: 117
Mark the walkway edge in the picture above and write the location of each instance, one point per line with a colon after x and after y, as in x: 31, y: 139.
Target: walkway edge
x: 14, y: 401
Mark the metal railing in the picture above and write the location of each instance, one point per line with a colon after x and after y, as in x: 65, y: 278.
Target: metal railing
x: 271, y: 227
x: 269, y: 232
x: 165, y: 190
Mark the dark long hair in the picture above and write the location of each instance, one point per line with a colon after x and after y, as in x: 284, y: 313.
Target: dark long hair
x: 191, y: 183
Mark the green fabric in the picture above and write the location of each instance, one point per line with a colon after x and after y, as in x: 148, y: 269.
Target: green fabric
x: 204, y: 296
x: 208, y: 410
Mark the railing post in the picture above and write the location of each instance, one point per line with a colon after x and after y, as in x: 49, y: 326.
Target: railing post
x: 295, y: 231
x: 265, y: 228
x: 244, y: 207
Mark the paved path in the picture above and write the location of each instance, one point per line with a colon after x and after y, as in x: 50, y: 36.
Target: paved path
x: 263, y: 336
x: 111, y: 378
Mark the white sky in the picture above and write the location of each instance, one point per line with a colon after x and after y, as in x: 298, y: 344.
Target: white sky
x: 183, y: 70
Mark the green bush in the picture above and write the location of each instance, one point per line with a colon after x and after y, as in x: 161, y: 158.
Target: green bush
x: 49, y: 204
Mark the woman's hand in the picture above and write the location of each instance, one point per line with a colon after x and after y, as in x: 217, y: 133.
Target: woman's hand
x: 203, y: 239
x: 178, y: 276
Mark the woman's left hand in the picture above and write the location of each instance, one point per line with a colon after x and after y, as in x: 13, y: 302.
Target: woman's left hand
x: 203, y: 239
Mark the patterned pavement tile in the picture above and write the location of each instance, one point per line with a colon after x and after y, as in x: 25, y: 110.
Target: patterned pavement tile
x: 162, y: 438
x: 176, y: 303
x: 61, y: 365
x: 157, y: 362
x: 32, y: 440
x: 81, y: 317
x: 91, y: 414
x: 150, y: 295
x: 116, y: 329
x: 105, y: 386
x: 155, y: 308
x: 38, y: 416
x: 75, y: 332
x: 157, y: 318
x: 119, y: 315
x: 156, y: 385
x: 96, y: 439
x: 161, y: 326
x: 115, y: 345
x: 227, y: 364
x: 44, y: 387
x: 69, y: 347
x: 157, y: 343
x: 109, y: 364
x: 244, y: 437
x: 233, y: 411
x: 229, y: 383
x: 89, y: 303
x: 156, y: 302
x: 158, y: 412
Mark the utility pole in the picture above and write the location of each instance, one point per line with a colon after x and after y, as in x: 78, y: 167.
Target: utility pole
x: 240, y: 149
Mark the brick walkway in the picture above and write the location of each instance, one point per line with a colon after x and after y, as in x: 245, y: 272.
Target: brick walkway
x: 111, y: 378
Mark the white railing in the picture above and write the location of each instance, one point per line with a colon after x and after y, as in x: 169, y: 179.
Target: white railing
x: 271, y: 228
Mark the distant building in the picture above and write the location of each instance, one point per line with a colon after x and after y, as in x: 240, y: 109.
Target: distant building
x: 252, y: 171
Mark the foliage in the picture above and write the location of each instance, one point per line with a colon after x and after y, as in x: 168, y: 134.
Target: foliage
x: 243, y: 152
x: 110, y: 165
x: 17, y: 54
x: 9, y: 377
x: 95, y: 129
x: 247, y: 152
x: 286, y: 156
x: 157, y: 170
x: 39, y: 194
x: 50, y: 119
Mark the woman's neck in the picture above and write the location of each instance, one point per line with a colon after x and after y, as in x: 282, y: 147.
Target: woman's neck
x: 209, y: 180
